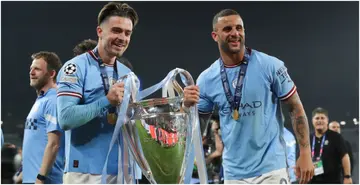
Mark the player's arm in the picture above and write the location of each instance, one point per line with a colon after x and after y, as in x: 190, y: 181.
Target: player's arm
x: 50, y: 153
x: 54, y: 133
x: 72, y: 114
x: 299, y: 122
x: 285, y: 89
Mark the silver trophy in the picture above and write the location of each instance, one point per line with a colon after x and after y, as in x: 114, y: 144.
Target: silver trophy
x: 159, y: 134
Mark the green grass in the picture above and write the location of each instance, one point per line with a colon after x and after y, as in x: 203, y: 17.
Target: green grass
x: 165, y: 162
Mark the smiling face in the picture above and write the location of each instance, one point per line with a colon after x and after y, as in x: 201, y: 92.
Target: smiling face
x: 114, y: 35
x: 320, y: 122
x: 229, y: 33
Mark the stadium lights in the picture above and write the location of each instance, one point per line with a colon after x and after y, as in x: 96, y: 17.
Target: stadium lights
x: 356, y: 122
x: 342, y: 122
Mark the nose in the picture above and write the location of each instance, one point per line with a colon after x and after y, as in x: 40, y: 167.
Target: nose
x: 234, y: 32
x: 32, y: 72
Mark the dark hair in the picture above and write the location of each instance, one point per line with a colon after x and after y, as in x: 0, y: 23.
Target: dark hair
x: 126, y: 62
x: 84, y: 46
x: 118, y: 9
x: 52, y: 60
x: 320, y: 110
x: 223, y: 13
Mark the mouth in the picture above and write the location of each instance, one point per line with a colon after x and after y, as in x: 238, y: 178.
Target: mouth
x: 234, y: 42
x: 119, y: 46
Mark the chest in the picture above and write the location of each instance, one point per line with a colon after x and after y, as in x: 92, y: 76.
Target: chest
x: 254, y: 92
x: 35, y: 118
x: 98, y: 80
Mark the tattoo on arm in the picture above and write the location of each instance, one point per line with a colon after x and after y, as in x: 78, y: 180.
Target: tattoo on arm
x: 299, y: 120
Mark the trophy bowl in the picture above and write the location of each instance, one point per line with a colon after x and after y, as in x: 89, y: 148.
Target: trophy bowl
x: 159, y: 136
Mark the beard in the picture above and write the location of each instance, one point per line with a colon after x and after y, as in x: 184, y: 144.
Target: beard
x: 40, y: 82
x: 225, y: 46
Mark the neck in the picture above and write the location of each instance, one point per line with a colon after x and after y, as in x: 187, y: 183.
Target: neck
x: 46, y: 87
x: 231, y: 59
x: 319, y: 133
x: 104, y: 56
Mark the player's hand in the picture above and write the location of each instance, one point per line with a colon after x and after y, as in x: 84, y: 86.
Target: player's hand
x: 304, y: 168
x: 191, y: 95
x: 348, y: 181
x: 116, y: 93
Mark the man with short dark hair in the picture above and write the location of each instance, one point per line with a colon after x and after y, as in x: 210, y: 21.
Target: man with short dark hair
x: 249, y: 88
x: 328, y: 152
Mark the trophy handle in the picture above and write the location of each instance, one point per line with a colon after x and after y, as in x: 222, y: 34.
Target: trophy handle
x: 172, y: 85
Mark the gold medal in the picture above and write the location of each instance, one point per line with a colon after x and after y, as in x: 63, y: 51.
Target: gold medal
x: 235, y: 114
x: 112, y: 118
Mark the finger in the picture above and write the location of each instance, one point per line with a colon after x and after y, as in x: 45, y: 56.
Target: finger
x: 192, y: 87
x: 192, y: 97
x: 308, y: 174
x: 302, y: 177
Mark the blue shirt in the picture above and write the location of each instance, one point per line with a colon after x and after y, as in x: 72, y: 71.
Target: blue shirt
x: 87, y: 145
x: 41, y: 120
x: 253, y: 144
x: 290, y: 153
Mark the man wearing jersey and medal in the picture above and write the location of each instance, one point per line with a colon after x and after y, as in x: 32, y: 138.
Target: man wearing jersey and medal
x: 249, y: 87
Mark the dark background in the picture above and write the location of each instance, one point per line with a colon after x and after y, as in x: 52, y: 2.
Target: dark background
x: 318, y: 41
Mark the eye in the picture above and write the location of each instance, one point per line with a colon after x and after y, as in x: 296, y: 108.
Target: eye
x: 227, y: 28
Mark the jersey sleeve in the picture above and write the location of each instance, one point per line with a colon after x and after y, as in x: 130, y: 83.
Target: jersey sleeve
x: 71, y: 77
x: 205, y: 105
x: 282, y: 84
x: 50, y: 116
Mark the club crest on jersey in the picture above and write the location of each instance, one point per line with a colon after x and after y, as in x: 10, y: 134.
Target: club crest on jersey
x: 70, y: 69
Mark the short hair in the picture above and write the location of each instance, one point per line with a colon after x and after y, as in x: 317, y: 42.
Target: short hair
x: 52, y: 59
x: 320, y: 110
x: 126, y: 62
x: 84, y: 46
x: 118, y: 9
x: 223, y: 13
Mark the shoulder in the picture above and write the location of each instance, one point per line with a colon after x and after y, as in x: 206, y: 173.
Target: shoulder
x: 265, y: 60
x: 77, y: 63
x: 211, y: 72
x: 333, y: 135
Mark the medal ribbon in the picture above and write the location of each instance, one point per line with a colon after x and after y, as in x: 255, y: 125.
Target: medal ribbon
x: 235, y: 100
x: 104, y: 77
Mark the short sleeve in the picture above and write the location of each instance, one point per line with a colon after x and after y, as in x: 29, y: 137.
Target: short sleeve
x: 282, y: 85
x: 205, y: 105
x: 50, y: 117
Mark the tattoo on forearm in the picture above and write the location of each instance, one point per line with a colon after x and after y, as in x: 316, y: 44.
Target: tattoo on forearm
x: 299, y: 121
x: 301, y: 130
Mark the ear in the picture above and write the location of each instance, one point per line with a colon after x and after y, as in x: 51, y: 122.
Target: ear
x: 53, y: 74
x: 99, y: 32
x: 214, y: 36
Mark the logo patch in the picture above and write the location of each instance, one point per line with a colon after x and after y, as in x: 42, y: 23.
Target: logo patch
x: 70, y: 69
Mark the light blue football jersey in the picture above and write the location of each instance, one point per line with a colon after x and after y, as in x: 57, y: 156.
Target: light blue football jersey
x: 253, y: 144
x: 87, y: 146
x: 41, y: 120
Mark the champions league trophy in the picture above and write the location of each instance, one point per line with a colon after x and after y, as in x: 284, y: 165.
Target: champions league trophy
x: 159, y: 135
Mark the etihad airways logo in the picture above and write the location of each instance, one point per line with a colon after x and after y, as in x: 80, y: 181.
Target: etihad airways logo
x: 245, y: 109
